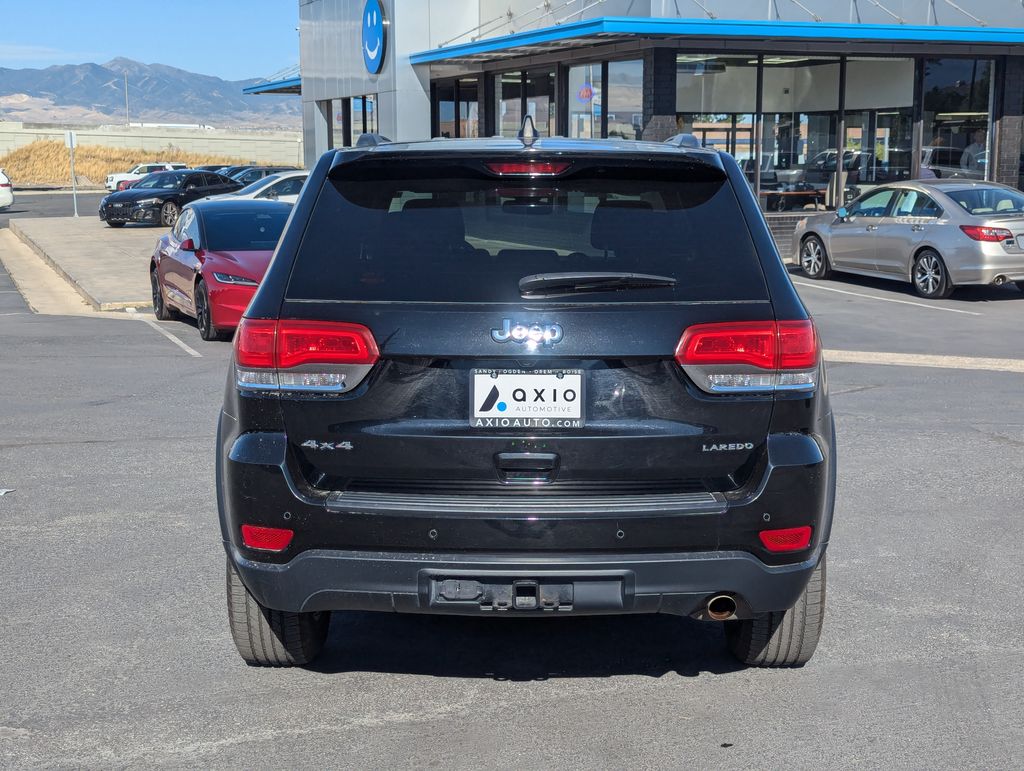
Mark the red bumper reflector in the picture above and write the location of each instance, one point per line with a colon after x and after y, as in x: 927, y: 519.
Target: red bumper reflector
x: 786, y: 539
x: 266, y: 538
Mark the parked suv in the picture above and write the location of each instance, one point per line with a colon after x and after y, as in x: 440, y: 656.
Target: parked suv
x: 138, y: 172
x: 496, y: 377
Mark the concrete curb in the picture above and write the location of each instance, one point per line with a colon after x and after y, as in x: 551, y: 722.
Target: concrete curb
x: 96, y: 304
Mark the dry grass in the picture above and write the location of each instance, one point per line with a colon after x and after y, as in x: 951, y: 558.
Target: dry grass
x: 46, y: 163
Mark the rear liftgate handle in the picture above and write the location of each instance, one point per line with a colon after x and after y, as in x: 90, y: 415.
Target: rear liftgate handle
x: 526, y: 467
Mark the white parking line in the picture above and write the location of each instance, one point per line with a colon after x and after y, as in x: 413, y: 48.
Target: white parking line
x: 926, y: 360
x: 886, y: 299
x: 190, y: 351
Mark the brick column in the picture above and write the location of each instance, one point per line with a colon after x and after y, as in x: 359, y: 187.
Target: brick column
x: 659, y: 94
x: 1010, y: 123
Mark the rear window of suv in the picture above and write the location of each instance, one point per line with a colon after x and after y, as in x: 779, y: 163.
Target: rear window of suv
x: 457, y: 235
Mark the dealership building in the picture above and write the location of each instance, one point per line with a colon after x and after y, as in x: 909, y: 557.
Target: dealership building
x: 906, y: 88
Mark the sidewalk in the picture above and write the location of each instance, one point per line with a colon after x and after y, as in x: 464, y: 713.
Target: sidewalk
x: 107, y: 266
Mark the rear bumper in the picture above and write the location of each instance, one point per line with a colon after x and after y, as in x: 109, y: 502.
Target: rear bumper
x: 660, y: 556
x: 678, y: 584
x: 982, y: 263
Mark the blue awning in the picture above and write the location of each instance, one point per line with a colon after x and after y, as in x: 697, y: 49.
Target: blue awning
x: 612, y: 29
x: 285, y: 86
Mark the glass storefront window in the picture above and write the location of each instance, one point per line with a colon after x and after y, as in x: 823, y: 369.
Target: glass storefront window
x: 456, y: 108
x: 469, y: 108
x: 626, y: 99
x: 957, y: 99
x: 445, y: 106
x: 508, y: 98
x: 798, y: 137
x: 585, y: 101
x: 540, y: 101
x: 364, y: 116
x: 338, y: 123
x: 716, y: 99
x: 879, y: 121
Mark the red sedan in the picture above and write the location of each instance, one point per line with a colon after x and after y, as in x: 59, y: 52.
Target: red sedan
x: 209, y: 265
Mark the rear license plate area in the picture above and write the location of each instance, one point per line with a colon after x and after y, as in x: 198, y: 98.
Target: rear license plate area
x: 507, y: 398
x: 526, y: 594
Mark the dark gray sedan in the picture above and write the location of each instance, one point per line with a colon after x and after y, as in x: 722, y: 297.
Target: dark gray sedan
x: 937, y: 234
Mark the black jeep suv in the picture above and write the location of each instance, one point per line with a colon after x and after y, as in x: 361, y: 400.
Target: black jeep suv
x: 508, y: 378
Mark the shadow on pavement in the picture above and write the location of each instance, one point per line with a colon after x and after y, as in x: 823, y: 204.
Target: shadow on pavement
x: 965, y: 294
x: 521, y: 650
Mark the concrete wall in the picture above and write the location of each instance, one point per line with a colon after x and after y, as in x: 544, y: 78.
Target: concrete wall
x: 281, y: 147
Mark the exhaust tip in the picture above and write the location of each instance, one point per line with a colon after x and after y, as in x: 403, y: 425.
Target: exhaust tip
x: 721, y: 607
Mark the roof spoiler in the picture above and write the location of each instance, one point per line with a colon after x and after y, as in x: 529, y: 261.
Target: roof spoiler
x: 684, y: 140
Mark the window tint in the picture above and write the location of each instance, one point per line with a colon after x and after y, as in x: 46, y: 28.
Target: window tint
x: 179, y: 224
x: 988, y: 200
x: 167, y: 180
x: 873, y: 204
x: 191, y: 228
x: 289, y: 186
x: 912, y: 203
x: 441, y: 239
x: 240, y: 231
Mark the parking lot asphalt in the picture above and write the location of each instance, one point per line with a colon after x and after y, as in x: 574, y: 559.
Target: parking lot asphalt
x: 49, y: 204
x: 116, y: 651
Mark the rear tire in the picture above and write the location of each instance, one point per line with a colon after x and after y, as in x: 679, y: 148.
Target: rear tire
x: 930, y: 277
x: 272, y: 638
x: 785, y: 638
x: 814, y: 259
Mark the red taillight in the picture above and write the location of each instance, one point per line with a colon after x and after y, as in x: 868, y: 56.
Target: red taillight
x: 982, y: 233
x: 254, y: 343
x: 798, y: 345
x: 291, y: 355
x: 786, y: 539
x: 316, y: 342
x: 750, y: 356
x: 5, y: 184
x: 266, y: 538
x: 527, y: 168
x: 746, y: 342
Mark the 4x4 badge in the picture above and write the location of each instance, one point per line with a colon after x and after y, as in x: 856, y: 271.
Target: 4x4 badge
x: 538, y: 334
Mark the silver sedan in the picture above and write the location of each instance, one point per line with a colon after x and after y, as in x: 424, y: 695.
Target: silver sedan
x: 937, y: 234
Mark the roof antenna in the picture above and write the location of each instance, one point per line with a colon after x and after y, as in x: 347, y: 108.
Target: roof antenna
x: 527, y: 132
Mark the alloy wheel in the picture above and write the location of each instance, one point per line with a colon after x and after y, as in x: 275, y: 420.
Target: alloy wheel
x: 168, y: 214
x: 812, y: 257
x: 928, y: 274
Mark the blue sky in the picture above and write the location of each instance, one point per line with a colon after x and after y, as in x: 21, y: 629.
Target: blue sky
x: 233, y: 39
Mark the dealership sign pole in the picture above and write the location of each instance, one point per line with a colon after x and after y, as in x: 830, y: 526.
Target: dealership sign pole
x: 70, y: 140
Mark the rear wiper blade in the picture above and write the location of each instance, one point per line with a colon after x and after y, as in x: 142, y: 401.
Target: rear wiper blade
x: 561, y: 284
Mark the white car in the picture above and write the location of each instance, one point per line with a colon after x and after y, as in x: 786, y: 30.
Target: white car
x: 283, y: 186
x: 140, y: 171
x: 6, y: 190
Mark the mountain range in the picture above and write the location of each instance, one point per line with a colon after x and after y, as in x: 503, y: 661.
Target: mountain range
x: 157, y: 93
